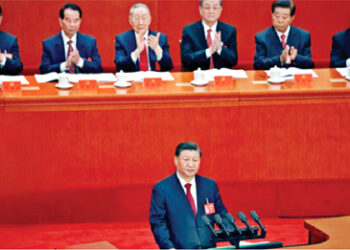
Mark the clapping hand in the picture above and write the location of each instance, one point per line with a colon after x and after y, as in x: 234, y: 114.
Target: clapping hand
x: 216, y: 45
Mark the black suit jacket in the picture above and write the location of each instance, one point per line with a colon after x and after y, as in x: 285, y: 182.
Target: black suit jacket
x: 125, y: 44
x: 340, y: 49
x: 9, y: 44
x: 269, y: 48
x: 172, y: 220
x: 54, y: 54
x: 194, y: 44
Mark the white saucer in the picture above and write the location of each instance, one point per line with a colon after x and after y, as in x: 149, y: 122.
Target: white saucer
x: 277, y: 80
x: 64, y: 86
x: 199, y: 83
x: 347, y: 78
x: 122, y: 84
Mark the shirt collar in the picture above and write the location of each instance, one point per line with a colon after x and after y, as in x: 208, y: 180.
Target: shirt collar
x: 66, y: 39
x: 206, y: 27
x: 183, y: 182
x: 145, y: 36
x: 280, y: 33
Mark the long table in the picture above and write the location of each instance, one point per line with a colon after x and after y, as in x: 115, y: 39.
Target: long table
x: 67, y: 139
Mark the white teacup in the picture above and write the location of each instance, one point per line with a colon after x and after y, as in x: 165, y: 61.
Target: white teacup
x: 121, y: 77
x: 63, y: 79
x: 347, y: 75
x: 275, y: 73
x: 199, y: 75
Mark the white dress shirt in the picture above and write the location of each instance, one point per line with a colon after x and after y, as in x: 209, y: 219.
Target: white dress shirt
x: 2, y: 64
x: 193, y: 188
x: 133, y: 54
x: 286, y: 34
x: 212, y: 35
x: 80, y: 64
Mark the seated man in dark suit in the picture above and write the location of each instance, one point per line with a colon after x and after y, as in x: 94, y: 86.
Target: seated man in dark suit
x: 69, y: 50
x: 10, y: 63
x: 208, y: 43
x: 283, y: 45
x: 140, y: 48
x: 177, y: 203
x: 340, y: 54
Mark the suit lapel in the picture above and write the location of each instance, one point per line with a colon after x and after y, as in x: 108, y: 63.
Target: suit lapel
x: 292, y: 37
x: 183, y: 198
x: 2, y: 40
x: 347, y: 43
x: 200, y: 196
x: 152, y: 55
x: 275, y: 42
x: 200, y: 32
x: 131, y: 45
x: 220, y: 28
x: 80, y: 45
x: 131, y: 41
x: 59, y: 46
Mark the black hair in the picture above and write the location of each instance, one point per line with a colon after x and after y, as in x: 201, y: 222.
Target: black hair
x: 201, y: 3
x: 284, y: 4
x: 70, y: 6
x: 0, y: 10
x: 187, y: 146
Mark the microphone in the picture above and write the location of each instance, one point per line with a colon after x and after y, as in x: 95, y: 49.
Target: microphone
x: 232, y: 221
x: 256, y: 218
x: 206, y: 220
x: 243, y: 218
x: 220, y: 223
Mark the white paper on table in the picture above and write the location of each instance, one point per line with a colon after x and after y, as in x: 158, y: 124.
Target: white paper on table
x: 235, y: 73
x: 53, y: 76
x: 140, y: 75
x: 342, y: 71
x: 19, y: 78
x: 288, y: 74
x: 49, y: 77
x: 99, y: 77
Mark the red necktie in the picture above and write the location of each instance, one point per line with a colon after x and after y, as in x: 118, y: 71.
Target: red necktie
x: 143, y: 63
x: 190, y: 198
x: 71, y: 68
x: 209, y: 42
x: 283, y: 37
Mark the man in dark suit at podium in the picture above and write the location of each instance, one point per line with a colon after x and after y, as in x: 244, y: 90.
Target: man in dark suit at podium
x: 178, y: 202
x: 283, y: 45
x: 208, y: 43
x: 140, y: 49
x: 340, y: 54
x: 70, y: 51
x: 10, y: 62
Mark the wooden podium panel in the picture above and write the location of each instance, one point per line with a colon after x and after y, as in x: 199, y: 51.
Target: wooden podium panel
x: 328, y: 233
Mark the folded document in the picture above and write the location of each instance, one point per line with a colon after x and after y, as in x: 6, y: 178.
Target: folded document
x: 20, y: 78
x: 54, y: 76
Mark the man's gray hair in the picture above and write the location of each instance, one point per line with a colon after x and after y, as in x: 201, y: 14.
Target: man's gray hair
x: 138, y: 5
x: 201, y: 2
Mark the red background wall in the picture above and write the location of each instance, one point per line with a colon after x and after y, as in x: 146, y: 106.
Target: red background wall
x: 35, y: 20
